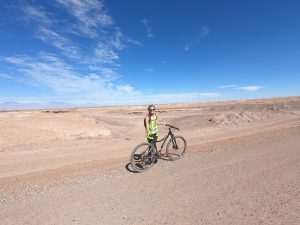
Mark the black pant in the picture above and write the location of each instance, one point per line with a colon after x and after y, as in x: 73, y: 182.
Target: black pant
x: 153, y: 140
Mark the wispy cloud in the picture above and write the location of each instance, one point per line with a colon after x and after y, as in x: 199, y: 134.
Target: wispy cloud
x: 149, y: 32
x: 5, y: 76
x: 204, y: 32
x: 245, y: 88
x: 125, y: 88
x: 149, y: 69
x: 50, y: 71
x: 179, y: 97
x: 65, y: 45
x: 250, y: 88
x: 88, y: 37
x: 38, y: 15
x: 187, y: 47
x: 51, y: 30
x: 88, y: 20
x: 81, y: 64
x: 133, y: 42
x: 89, y: 16
x: 228, y: 86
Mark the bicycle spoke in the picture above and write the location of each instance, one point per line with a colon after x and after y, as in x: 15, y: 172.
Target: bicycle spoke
x: 142, y: 157
x: 176, y: 148
x: 145, y: 154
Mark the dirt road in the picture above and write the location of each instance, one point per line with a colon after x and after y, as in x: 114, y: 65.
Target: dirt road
x: 69, y: 166
x: 254, y: 180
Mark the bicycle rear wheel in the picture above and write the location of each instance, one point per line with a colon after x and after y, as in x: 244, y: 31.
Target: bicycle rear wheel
x: 142, y: 157
x: 176, y: 148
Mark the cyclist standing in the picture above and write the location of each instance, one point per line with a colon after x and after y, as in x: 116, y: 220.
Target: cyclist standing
x: 145, y: 154
x: 151, y: 125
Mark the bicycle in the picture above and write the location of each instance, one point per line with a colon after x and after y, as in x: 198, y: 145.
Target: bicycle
x: 146, y: 154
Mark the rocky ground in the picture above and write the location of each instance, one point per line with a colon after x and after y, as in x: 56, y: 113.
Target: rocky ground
x: 71, y: 166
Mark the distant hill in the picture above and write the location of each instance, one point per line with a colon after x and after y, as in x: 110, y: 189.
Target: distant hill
x: 12, y: 105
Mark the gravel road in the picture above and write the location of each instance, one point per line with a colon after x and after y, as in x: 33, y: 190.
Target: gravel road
x: 250, y: 181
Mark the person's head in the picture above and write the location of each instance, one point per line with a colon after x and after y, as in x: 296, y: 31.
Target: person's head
x: 151, y: 109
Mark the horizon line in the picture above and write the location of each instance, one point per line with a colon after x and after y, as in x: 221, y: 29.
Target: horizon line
x: 132, y: 105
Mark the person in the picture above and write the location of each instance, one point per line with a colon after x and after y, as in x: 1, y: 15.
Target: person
x: 151, y: 125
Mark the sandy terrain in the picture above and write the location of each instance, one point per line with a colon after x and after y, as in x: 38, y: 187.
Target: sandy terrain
x: 242, y: 165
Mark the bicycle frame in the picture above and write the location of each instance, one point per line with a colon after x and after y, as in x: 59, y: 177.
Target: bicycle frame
x: 165, y: 139
x: 142, y: 159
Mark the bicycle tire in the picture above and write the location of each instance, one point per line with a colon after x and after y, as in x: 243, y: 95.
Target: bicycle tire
x: 142, y: 157
x: 176, y: 151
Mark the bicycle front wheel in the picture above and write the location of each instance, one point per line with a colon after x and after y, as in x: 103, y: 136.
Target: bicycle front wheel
x: 176, y: 148
x: 142, y: 157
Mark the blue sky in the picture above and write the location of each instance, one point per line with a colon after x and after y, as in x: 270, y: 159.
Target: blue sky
x: 113, y: 52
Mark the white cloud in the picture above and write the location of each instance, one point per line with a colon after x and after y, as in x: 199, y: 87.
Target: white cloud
x: 245, y: 88
x: 67, y: 47
x: 144, y: 21
x: 88, y: 36
x: 103, y: 54
x: 5, y: 76
x: 89, y: 14
x: 204, y: 32
x: 133, y: 42
x: 90, y: 21
x: 50, y: 71
x: 122, y: 95
x: 108, y: 74
x: 126, y: 88
x: 38, y: 15
x: 98, y: 88
x: 149, y: 69
x: 51, y: 30
x: 228, y: 86
x: 82, y: 72
x: 149, y: 32
x: 116, y: 39
x: 250, y: 88
x: 90, y: 42
x: 136, y: 97
x: 209, y: 94
x: 183, y: 97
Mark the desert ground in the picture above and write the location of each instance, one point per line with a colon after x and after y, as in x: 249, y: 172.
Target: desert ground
x: 71, y: 166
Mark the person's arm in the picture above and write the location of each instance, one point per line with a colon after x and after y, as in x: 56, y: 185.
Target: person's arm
x: 147, y: 124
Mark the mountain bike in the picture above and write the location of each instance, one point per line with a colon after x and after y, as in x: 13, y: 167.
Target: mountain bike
x: 146, y: 154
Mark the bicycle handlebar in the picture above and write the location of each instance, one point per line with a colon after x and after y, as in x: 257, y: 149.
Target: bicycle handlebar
x: 168, y: 125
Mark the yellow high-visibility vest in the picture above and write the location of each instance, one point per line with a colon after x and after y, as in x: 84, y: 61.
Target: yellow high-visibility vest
x: 153, y: 127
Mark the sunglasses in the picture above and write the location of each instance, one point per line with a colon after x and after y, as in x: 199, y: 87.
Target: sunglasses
x: 151, y: 109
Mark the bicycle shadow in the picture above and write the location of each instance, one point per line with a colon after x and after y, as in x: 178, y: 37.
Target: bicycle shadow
x: 164, y: 157
x: 129, y: 169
